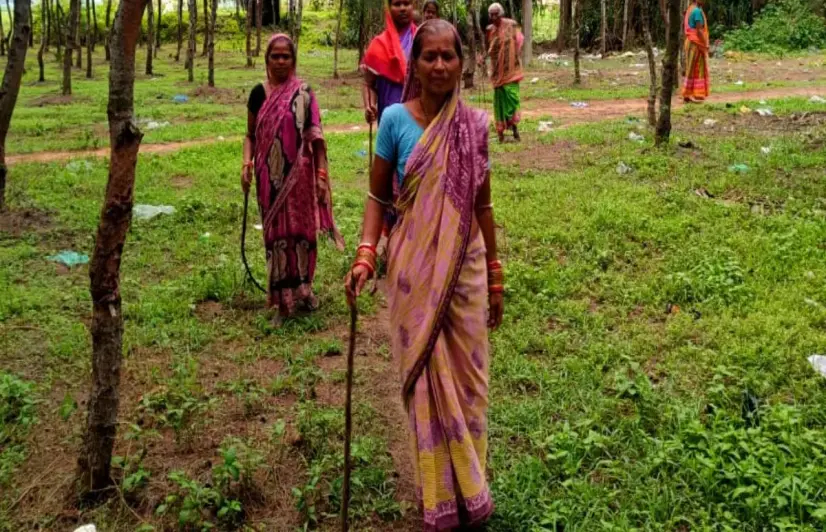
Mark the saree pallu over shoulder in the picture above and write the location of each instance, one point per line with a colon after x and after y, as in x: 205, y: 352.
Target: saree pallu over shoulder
x: 385, y: 56
x: 697, y: 80
x: 505, y: 43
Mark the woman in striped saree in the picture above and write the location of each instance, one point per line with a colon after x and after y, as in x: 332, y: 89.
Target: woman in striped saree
x: 444, y: 280
x: 697, y: 81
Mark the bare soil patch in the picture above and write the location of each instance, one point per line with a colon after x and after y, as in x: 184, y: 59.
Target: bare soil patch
x: 57, y: 99
x: 219, y: 95
x: 181, y: 181
x: 538, y: 156
x: 16, y: 222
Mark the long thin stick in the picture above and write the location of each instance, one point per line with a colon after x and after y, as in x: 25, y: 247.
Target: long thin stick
x: 370, y: 152
x: 348, y: 415
x: 243, y: 243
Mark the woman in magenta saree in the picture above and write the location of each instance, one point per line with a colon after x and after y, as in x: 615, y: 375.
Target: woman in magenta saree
x: 286, y: 150
x: 444, y: 281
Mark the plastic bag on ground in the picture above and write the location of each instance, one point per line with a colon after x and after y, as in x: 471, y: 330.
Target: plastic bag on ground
x: 623, y: 169
x: 147, y: 212
x: 764, y: 111
x: 636, y: 137
x: 87, y: 528
x: 180, y: 98
x: 818, y: 363
x: 817, y: 99
x: 544, y: 127
x: 740, y: 168
x: 70, y: 258
x: 709, y: 122
x: 579, y: 105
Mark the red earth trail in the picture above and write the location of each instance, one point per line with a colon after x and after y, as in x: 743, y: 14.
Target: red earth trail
x: 597, y: 111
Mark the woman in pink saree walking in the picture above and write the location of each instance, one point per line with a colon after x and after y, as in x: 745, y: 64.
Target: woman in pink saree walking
x: 285, y: 149
x: 444, y: 280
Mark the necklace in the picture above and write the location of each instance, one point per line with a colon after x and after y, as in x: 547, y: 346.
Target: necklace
x: 427, y: 117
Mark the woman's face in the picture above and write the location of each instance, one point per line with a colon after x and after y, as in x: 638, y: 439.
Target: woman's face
x: 430, y: 12
x: 439, y: 66
x: 280, y: 60
x: 495, y: 17
x: 401, y: 11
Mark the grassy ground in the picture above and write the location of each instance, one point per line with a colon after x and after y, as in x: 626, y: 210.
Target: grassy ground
x: 651, y: 372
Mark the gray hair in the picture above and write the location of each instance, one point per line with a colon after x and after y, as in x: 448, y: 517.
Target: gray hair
x: 496, y: 7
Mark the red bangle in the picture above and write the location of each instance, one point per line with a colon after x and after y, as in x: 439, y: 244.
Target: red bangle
x: 496, y: 289
x: 362, y: 262
x: 495, y: 264
x: 368, y: 246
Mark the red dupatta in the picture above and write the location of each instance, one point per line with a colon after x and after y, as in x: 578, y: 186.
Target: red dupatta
x: 385, y: 56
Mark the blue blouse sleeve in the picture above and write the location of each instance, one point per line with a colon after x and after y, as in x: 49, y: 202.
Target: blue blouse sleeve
x: 695, y: 18
x: 386, y: 138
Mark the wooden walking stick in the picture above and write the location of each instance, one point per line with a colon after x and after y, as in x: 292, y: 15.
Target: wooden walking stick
x: 348, y: 414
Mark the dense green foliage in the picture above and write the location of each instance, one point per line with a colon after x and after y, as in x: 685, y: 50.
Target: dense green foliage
x: 783, y: 26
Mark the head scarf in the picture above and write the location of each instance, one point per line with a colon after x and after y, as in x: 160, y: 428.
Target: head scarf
x: 385, y: 56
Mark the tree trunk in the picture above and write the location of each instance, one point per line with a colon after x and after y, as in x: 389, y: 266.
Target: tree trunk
x: 338, y: 38
x: 362, y: 31
x: 11, y: 82
x: 180, y: 30
x: 104, y: 270
x: 78, y: 42
x: 150, y: 35
x: 527, y: 30
x: 2, y: 37
x: 564, y: 24
x: 48, y: 24
x: 238, y: 9
x: 683, y: 8
x: 625, y: 10
x: 158, y: 29
x: 603, y: 5
x: 212, y: 22
x: 59, y: 28
x: 11, y: 24
x: 576, y: 16
x: 43, y: 39
x: 206, y: 28
x: 95, y: 29
x: 31, y: 23
x: 190, y: 51
x: 297, y: 26
x: 276, y: 8
x: 108, y: 28
x: 74, y: 13
x: 292, y: 18
x: 470, y: 62
x: 259, y: 19
x: 669, y: 71
x: 88, y: 41
x: 248, y: 30
x: 652, y: 65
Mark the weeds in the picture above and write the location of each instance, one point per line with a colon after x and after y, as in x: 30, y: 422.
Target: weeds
x: 17, y: 415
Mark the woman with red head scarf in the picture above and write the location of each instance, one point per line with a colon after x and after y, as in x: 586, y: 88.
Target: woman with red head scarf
x: 285, y: 150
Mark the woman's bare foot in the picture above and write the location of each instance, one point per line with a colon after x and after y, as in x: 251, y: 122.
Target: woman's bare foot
x: 516, y: 136
x: 501, y: 138
x: 311, y: 303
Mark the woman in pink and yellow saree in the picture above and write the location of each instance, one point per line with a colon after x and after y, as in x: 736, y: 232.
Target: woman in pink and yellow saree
x: 444, y: 280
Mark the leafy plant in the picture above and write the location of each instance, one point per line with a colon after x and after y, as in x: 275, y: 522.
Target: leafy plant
x: 782, y: 26
x: 17, y: 415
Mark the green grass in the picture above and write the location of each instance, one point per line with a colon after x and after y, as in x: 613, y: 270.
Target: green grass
x: 650, y: 374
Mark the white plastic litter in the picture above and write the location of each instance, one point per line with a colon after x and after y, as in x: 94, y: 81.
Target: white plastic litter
x: 817, y: 99
x: 763, y: 111
x: 76, y: 166
x: 766, y: 150
x: 627, y: 55
x: 534, y: 80
x: 638, y: 65
x: 762, y: 102
x: 739, y: 82
x: 818, y: 363
x: 147, y: 212
x: 87, y: 528
x: 259, y: 227
x: 544, y: 127
x: 709, y: 122
x: 548, y: 57
x: 156, y: 125
x: 355, y: 128
x: 623, y: 169
x: 636, y: 137
x: 579, y: 105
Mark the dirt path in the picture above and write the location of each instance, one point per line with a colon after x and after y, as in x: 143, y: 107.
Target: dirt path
x: 596, y: 111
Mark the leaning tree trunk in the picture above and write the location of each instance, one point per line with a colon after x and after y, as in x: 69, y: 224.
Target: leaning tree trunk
x: 108, y: 28
x: 527, y: 30
x: 11, y: 82
x: 248, y: 31
x: 150, y: 36
x: 104, y: 270
x: 88, y: 42
x: 669, y: 75
x: 74, y: 13
x: 603, y: 7
x: 180, y: 30
x: 470, y: 62
x: 190, y: 51
x: 158, y: 29
x: 212, y: 22
x: 206, y: 28
x: 259, y: 20
x: 576, y: 8
x: 652, y: 64
x: 43, y: 39
x: 338, y: 38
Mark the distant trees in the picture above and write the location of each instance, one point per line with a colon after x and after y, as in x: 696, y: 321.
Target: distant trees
x: 71, y: 25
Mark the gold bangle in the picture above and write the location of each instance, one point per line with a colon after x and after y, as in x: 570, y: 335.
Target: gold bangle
x: 379, y: 200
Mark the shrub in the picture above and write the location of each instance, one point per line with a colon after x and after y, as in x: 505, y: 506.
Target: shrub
x: 783, y: 26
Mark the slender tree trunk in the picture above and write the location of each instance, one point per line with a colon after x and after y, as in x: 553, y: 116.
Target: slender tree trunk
x: 43, y: 39
x: 60, y: 29
x: 652, y: 64
x: 248, y: 30
x: 190, y: 52
x: 238, y: 9
x: 48, y: 24
x: 180, y: 30
x: 603, y: 5
x: 292, y: 19
x: 362, y: 30
x: 11, y: 24
x: 212, y: 22
x: 150, y: 35
x: 564, y: 24
x: 625, y: 10
x: 299, y: 16
x: 276, y: 5
x: 78, y: 42
x: 74, y: 13
x: 95, y: 28
x: 527, y: 30
x: 338, y: 38
x: 259, y: 19
x: 31, y: 23
x: 2, y: 37
x: 669, y: 74
x: 470, y: 62
x: 104, y: 270
x: 108, y: 28
x: 158, y: 29
x: 88, y: 41
x: 206, y: 28
x: 683, y: 8
x: 576, y: 18
x: 10, y: 87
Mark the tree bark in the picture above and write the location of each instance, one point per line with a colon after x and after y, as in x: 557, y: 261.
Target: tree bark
x: 43, y: 39
x: 10, y: 87
x: 527, y: 30
x: 470, y: 62
x: 150, y: 36
x: 338, y: 38
x: 60, y: 28
x: 248, y: 30
x: 158, y: 29
x: 603, y: 5
x: 2, y: 37
x: 652, y: 64
x: 78, y: 42
x: 206, y: 28
x: 564, y: 24
x: 669, y: 74
x: 576, y: 16
x: 625, y: 10
x: 104, y: 270
x: 276, y: 6
x: 74, y: 13
x: 180, y: 30
x: 88, y: 41
x: 212, y: 22
x: 190, y: 51
x: 297, y: 27
x: 362, y: 31
x: 31, y: 23
x: 95, y: 29
x: 683, y: 8
x: 259, y: 19
x: 48, y: 24
x: 108, y: 28
x: 11, y: 24
x: 292, y: 18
